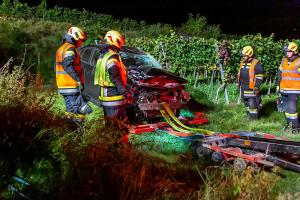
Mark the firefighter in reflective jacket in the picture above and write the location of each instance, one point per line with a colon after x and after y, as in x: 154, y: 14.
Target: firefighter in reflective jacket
x: 288, y: 83
x: 111, y: 76
x: 68, y: 73
x: 250, y: 77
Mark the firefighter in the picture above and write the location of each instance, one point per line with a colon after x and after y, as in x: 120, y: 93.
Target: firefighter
x: 111, y: 76
x: 68, y: 72
x: 250, y: 77
x: 288, y: 84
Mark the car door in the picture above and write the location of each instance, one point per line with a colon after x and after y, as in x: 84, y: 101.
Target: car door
x: 88, y: 60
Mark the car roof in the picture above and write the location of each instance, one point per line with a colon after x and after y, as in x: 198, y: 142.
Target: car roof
x: 125, y: 49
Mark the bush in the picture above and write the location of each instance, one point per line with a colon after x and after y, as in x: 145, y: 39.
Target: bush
x: 33, y: 46
x: 197, y: 26
x: 93, y: 23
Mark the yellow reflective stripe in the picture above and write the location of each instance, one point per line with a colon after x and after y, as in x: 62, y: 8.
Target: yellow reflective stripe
x: 68, y: 86
x: 289, y: 89
x: 248, y: 92
x: 70, y: 52
x: 112, y: 60
x: 291, y: 115
x: 103, y: 78
x: 253, y: 111
x: 102, y: 74
x: 260, y: 75
x: 112, y: 98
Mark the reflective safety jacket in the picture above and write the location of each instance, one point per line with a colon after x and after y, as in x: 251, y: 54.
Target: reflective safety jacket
x: 289, y: 73
x: 250, y: 76
x: 111, y: 75
x: 66, y: 82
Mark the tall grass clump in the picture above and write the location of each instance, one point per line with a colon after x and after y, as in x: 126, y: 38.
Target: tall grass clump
x: 25, y: 112
x: 226, y: 183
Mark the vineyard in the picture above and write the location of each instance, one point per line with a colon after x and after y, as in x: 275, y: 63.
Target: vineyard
x: 195, y: 58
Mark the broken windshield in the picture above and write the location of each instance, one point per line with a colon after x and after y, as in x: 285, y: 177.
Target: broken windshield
x: 139, y: 60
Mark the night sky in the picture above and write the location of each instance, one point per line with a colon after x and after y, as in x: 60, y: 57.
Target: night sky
x: 234, y: 16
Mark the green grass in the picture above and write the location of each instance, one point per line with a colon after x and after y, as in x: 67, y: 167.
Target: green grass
x: 228, y: 118
x: 233, y: 117
x: 222, y: 118
x: 174, y: 151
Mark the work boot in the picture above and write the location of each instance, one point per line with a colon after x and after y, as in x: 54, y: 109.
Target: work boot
x: 287, y: 128
x: 295, y: 131
x: 290, y: 129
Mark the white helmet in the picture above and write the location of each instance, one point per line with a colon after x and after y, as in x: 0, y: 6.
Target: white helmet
x: 115, y: 38
x: 76, y: 33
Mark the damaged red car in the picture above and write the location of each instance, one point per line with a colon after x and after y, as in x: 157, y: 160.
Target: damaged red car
x: 150, y: 84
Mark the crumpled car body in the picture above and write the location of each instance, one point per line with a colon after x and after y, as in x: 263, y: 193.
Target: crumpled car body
x: 150, y: 84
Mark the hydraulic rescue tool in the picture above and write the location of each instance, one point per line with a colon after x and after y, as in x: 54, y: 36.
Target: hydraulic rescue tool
x: 240, y: 148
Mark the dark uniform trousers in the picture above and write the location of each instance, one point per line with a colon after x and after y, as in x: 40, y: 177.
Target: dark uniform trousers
x: 252, y: 103
x: 290, y: 102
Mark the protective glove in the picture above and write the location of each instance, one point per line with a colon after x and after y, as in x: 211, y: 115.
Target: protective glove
x: 80, y: 86
x: 256, y: 91
x: 129, y: 98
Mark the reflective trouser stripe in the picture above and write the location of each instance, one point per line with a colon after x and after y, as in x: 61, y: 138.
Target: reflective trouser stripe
x: 252, y: 110
x: 61, y: 72
x: 290, y: 78
x: 249, y: 94
x: 288, y: 71
x: 291, y: 116
x: 284, y: 91
x: 68, y: 90
x: 111, y: 103
x: 102, y: 96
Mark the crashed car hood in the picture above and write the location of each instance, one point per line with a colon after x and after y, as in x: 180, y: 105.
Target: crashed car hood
x: 151, y: 72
